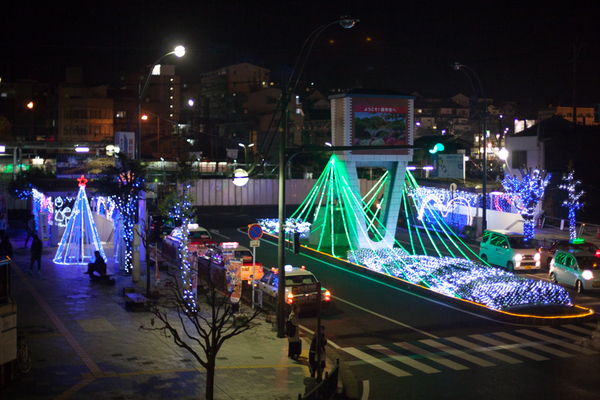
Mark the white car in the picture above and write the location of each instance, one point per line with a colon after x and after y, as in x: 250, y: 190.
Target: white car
x: 198, y: 237
x: 298, y: 282
x: 576, y: 268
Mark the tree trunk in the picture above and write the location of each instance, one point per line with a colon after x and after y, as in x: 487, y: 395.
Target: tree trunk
x: 210, y: 380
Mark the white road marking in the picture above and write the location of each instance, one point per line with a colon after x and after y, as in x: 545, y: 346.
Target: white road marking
x: 486, y: 350
x: 431, y: 356
x: 376, y: 362
x: 216, y: 232
x: 458, y: 353
x: 559, y: 342
x: 386, y: 318
x: 365, y: 392
x: 509, y: 347
x: 404, y: 359
x: 538, y: 346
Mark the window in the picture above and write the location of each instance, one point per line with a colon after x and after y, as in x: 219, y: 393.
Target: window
x: 486, y: 237
x: 519, y: 158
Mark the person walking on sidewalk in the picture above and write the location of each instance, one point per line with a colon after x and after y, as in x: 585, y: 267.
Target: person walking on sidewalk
x: 317, y: 361
x: 31, y: 231
x: 36, y: 254
x: 294, y: 342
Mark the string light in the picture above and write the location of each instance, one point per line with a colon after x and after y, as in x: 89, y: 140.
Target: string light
x: 80, y: 239
x: 530, y: 189
x: 572, y: 203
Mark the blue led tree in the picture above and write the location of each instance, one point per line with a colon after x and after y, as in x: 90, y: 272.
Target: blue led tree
x: 530, y: 189
x: 80, y: 239
x: 123, y: 182
x: 179, y: 207
x: 572, y: 203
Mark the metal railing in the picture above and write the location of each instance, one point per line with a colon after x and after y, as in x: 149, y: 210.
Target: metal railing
x: 327, y: 388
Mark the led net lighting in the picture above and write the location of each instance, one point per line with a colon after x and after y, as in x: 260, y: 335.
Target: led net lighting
x: 455, y: 276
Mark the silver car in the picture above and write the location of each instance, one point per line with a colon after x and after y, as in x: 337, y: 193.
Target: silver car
x: 576, y: 268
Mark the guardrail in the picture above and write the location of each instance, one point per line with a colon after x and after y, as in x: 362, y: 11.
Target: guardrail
x: 327, y: 388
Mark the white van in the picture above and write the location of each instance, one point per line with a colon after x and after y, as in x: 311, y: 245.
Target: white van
x: 509, y: 250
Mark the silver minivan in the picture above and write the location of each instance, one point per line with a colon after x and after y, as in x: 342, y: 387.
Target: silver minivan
x: 509, y: 250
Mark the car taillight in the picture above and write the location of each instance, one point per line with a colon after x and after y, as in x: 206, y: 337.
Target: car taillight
x: 327, y: 296
x: 260, y: 270
x: 598, y: 253
x: 290, y: 298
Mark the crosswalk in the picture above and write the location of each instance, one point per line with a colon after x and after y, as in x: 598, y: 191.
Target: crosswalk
x: 432, y: 356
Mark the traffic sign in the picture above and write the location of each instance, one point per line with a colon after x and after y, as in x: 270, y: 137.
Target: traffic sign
x: 255, y: 243
x: 255, y: 231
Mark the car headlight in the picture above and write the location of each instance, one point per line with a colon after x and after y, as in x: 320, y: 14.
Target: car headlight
x: 587, y: 275
x: 518, y: 257
x: 537, y: 256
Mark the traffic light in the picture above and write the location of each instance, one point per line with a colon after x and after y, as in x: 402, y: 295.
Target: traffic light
x: 296, y: 242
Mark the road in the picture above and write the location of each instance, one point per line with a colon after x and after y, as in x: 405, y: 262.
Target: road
x: 403, y: 345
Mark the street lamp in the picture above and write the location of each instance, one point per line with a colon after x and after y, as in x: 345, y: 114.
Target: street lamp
x: 246, y: 152
x: 458, y: 66
x: 288, y: 90
x: 179, y: 51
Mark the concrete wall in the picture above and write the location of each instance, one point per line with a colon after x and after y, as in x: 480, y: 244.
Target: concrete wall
x: 257, y: 192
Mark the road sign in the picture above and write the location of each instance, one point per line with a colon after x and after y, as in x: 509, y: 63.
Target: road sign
x: 255, y: 231
x: 255, y: 243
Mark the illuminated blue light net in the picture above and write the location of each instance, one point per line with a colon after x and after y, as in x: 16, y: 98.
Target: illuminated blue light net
x: 436, y: 258
x: 80, y: 239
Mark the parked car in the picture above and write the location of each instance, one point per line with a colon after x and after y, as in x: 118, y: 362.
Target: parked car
x: 198, y: 237
x: 219, y: 256
x: 509, y: 249
x: 580, y: 269
x: 298, y: 289
x: 547, y: 253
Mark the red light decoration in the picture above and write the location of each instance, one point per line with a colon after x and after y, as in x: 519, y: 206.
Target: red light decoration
x: 82, y: 181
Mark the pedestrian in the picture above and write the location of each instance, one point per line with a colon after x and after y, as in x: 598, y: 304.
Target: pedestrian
x: 36, y: 254
x: 317, y: 361
x: 99, y: 265
x: 6, y: 249
x: 3, y: 224
x: 294, y: 342
x: 31, y: 231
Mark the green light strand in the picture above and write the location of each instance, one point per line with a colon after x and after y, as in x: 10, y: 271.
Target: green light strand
x: 308, y: 202
x: 408, y: 224
x: 324, y: 225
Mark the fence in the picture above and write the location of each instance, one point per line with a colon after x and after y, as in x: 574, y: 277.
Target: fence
x: 327, y: 388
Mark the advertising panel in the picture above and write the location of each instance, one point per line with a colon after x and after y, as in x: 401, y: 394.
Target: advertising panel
x: 448, y: 166
x: 379, y: 126
x: 72, y: 166
x: 125, y: 141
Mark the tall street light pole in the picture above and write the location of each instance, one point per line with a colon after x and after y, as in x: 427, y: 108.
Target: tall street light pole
x: 287, y: 90
x: 179, y: 51
x: 458, y: 66
x: 246, y: 152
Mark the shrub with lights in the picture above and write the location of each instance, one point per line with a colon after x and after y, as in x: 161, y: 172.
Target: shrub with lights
x: 123, y: 182
x: 464, y: 279
x: 572, y: 202
x: 531, y: 189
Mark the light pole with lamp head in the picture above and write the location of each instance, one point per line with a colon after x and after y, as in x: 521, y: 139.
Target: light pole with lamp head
x: 458, y: 66
x: 179, y: 51
x: 287, y: 91
x: 246, y: 152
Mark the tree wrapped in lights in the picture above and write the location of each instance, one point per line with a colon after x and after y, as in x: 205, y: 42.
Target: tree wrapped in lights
x: 80, y: 240
x: 123, y: 182
x: 530, y: 189
x: 572, y: 203
x: 179, y: 207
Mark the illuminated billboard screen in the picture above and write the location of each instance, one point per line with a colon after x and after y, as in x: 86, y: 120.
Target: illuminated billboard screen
x: 379, y: 126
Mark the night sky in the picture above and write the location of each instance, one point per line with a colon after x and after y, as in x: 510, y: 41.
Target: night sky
x: 521, y: 50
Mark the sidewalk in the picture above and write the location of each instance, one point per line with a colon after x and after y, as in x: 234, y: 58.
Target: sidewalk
x: 86, y: 345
